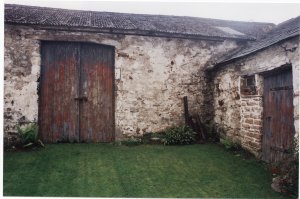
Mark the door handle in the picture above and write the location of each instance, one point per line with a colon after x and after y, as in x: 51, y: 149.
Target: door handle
x: 82, y: 98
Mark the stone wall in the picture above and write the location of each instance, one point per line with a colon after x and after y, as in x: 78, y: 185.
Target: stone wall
x: 152, y: 76
x: 240, y: 116
x: 21, y: 73
x: 226, y: 102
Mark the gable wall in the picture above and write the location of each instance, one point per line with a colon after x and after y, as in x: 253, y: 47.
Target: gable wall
x: 155, y: 73
x: 240, y: 117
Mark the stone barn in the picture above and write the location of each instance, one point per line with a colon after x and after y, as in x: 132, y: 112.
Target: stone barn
x: 88, y: 76
x: 256, y: 92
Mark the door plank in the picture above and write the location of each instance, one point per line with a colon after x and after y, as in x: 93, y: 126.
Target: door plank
x: 57, y: 107
x: 97, y: 84
x: 278, y: 127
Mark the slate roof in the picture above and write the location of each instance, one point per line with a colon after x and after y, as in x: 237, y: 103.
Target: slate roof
x: 282, y: 31
x: 155, y: 25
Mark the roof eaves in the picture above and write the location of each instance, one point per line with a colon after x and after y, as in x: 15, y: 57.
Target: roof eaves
x: 139, y: 32
x: 232, y: 59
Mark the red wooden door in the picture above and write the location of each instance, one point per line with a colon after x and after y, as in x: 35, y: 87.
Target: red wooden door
x: 96, y: 84
x: 76, y: 92
x: 278, y: 127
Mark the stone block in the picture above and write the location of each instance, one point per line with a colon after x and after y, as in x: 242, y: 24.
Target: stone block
x: 249, y: 121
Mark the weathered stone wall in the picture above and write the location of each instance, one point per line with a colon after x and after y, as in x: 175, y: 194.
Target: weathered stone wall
x: 21, y: 73
x: 226, y: 102
x: 240, y: 116
x: 152, y: 76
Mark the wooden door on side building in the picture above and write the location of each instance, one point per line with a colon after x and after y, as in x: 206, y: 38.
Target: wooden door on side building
x: 76, y: 101
x: 278, y: 126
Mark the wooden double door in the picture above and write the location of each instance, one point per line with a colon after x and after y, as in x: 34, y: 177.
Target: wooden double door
x: 76, y: 95
x: 278, y: 126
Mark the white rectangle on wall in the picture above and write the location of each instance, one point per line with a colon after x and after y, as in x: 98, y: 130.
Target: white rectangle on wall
x: 117, y: 73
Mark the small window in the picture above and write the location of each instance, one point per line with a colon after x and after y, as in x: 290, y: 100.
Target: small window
x: 248, y: 85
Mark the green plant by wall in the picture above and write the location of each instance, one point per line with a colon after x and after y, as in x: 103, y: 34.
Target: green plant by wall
x: 29, y: 136
x: 230, y: 144
x: 179, y: 135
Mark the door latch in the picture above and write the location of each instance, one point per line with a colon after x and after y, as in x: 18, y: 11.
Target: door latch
x: 82, y: 98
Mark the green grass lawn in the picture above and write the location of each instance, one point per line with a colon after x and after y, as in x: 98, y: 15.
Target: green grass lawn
x: 105, y: 170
